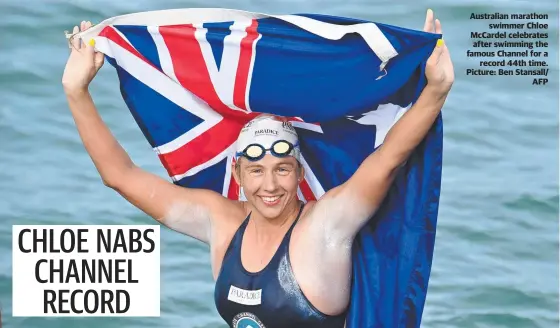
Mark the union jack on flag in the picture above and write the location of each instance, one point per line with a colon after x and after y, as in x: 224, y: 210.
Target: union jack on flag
x: 193, y: 77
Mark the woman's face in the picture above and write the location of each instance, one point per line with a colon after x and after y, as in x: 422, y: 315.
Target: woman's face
x: 270, y: 184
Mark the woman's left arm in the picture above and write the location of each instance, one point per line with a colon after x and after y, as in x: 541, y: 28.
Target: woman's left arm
x: 358, y: 198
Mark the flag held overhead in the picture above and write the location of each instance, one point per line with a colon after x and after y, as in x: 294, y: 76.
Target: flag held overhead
x: 193, y: 77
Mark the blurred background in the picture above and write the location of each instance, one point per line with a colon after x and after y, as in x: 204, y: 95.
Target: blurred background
x: 496, y: 256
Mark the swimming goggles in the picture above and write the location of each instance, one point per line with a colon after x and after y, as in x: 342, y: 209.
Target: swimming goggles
x: 255, y: 152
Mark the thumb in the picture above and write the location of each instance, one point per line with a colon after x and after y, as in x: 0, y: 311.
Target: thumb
x: 436, y: 53
x: 90, y: 47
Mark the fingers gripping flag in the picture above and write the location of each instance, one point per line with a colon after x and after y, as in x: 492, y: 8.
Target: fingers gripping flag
x: 193, y: 77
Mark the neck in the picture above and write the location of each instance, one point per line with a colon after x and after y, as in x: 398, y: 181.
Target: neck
x: 267, y: 229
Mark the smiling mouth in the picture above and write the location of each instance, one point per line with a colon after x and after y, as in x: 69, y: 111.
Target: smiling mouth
x: 271, y: 200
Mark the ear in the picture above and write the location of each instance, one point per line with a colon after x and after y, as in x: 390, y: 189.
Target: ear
x: 236, y: 171
x: 301, y: 173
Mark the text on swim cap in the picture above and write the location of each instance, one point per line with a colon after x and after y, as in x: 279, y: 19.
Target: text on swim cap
x: 266, y: 131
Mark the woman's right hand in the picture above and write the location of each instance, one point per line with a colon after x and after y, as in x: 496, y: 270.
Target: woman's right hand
x: 82, y: 65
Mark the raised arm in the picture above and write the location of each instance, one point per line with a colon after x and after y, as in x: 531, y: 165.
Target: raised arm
x: 367, y: 188
x: 189, y: 211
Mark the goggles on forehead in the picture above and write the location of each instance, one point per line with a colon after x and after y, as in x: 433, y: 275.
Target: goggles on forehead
x: 255, y: 152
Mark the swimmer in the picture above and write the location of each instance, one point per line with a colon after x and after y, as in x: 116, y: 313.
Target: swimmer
x: 276, y: 261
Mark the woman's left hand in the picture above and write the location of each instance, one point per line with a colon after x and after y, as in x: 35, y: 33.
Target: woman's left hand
x: 439, y: 68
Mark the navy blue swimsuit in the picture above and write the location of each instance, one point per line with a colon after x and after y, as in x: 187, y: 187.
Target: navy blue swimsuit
x: 270, y: 298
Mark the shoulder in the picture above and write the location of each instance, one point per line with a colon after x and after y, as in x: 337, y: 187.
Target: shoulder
x: 307, y: 210
x: 304, y: 223
x: 223, y: 229
x: 230, y: 216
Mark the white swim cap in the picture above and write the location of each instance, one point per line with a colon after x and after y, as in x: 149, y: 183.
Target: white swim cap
x: 264, y: 132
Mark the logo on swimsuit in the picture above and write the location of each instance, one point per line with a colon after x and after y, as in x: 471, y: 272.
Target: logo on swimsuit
x: 246, y: 320
x: 245, y: 297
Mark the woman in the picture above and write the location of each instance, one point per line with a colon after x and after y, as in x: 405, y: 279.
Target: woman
x: 276, y: 262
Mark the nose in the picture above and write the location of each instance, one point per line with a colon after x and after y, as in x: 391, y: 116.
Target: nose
x: 269, y: 182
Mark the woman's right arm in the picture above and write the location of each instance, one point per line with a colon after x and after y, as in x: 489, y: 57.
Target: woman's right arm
x: 189, y: 211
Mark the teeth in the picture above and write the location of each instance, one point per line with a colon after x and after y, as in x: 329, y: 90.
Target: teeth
x: 270, y: 199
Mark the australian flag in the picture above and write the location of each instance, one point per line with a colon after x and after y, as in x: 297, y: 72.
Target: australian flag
x: 193, y: 77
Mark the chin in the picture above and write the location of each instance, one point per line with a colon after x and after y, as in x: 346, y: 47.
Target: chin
x: 270, y: 213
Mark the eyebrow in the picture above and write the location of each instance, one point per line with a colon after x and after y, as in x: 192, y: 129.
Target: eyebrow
x: 285, y: 163
x: 250, y: 166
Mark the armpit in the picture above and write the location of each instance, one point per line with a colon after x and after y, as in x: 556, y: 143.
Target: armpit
x: 337, y: 217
